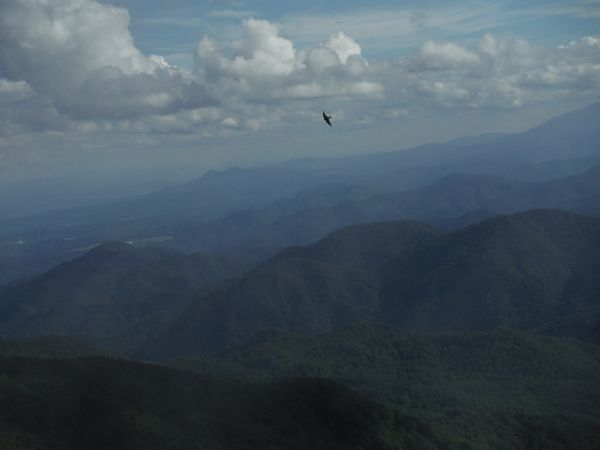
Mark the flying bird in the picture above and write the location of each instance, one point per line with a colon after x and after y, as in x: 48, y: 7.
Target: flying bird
x: 327, y: 119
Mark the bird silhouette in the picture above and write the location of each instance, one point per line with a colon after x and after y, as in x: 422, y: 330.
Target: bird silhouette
x: 327, y: 119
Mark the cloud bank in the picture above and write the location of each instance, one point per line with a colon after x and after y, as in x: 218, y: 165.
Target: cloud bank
x: 72, y: 65
x: 264, y: 67
x: 502, y: 72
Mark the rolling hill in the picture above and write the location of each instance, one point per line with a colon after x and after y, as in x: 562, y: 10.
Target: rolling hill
x: 508, y: 271
x: 484, y: 387
x: 114, y: 290
x: 527, y: 271
x: 48, y: 347
x: 94, y: 403
x: 308, y: 290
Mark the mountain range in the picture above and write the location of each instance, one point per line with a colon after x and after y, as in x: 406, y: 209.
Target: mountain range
x: 523, y: 271
x: 436, y: 298
x: 472, y: 197
x: 526, y: 271
x: 254, y: 212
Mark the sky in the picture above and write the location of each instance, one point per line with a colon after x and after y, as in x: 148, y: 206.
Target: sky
x: 183, y: 86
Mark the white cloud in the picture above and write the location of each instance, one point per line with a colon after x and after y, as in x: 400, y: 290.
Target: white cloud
x: 79, y: 56
x: 72, y: 65
x: 14, y: 90
x: 56, y: 45
x: 109, y: 93
x: 497, y: 72
x: 265, y: 67
x: 443, y: 55
x: 320, y: 59
x: 343, y: 46
x: 263, y: 52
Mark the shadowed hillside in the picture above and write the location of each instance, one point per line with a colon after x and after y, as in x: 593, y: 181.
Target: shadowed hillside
x: 484, y: 387
x: 102, y: 403
x: 506, y: 271
x: 308, y: 290
x: 48, y: 347
x: 113, y: 291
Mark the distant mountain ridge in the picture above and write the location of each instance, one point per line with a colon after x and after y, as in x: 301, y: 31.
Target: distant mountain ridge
x: 256, y: 211
x: 259, y: 232
x: 570, y: 136
x: 567, y: 137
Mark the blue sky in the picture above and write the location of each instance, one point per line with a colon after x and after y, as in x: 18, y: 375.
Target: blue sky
x: 381, y: 26
x: 156, y: 83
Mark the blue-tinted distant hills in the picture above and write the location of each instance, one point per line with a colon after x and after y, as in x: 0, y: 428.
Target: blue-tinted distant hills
x: 569, y: 143
x: 254, y: 212
x: 572, y: 136
x: 453, y: 201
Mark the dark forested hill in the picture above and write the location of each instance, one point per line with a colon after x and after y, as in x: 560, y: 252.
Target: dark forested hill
x: 48, y: 347
x: 110, y: 292
x: 582, y: 324
x: 486, y: 387
x: 522, y: 270
x: 506, y: 271
x: 97, y: 404
x: 527, y: 270
x: 308, y: 290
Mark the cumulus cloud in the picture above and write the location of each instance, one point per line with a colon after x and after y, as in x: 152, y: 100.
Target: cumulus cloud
x: 445, y: 55
x: 261, y: 53
x: 80, y: 56
x: 75, y: 61
x: 265, y: 66
x: 343, y: 46
x: 110, y: 94
x: 73, y: 65
x: 55, y: 45
x: 497, y: 72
